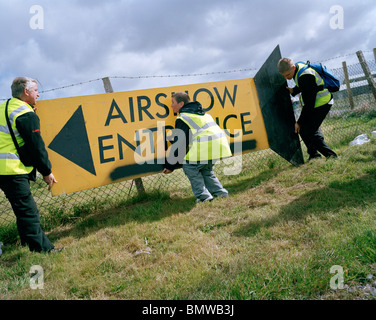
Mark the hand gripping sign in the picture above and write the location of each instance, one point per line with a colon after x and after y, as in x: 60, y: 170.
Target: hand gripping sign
x: 100, y: 139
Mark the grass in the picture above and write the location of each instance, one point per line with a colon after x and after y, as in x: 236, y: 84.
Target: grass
x: 275, y: 237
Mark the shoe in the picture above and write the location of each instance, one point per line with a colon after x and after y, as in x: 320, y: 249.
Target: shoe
x: 318, y: 156
x: 223, y: 195
x: 332, y: 157
x: 207, y: 199
x: 56, y: 250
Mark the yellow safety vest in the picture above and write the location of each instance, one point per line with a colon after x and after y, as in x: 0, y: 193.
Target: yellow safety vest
x: 209, y: 142
x: 324, y: 96
x: 10, y: 163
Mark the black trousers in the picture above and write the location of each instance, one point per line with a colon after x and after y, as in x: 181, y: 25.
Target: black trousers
x: 17, y: 190
x: 312, y: 136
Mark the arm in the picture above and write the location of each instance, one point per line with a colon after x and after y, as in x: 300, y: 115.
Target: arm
x: 28, y: 126
x: 293, y: 91
x: 308, y: 87
x: 179, y: 144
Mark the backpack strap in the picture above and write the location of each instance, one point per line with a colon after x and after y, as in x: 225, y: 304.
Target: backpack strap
x: 301, y: 70
x: 308, y: 65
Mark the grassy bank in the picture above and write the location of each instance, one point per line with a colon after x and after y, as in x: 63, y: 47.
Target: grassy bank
x: 276, y: 237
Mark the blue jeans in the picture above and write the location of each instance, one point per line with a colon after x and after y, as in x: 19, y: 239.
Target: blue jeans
x: 205, y: 185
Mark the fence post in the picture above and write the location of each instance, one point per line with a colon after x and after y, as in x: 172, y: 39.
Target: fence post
x: 108, y: 88
x: 347, y: 81
x: 374, y: 53
x: 367, y: 72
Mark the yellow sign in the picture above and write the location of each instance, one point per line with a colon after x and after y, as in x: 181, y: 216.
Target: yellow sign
x: 101, y: 139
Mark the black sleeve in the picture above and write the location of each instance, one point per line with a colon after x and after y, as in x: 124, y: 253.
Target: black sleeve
x: 28, y: 126
x: 295, y: 91
x: 308, y: 88
x: 179, y: 143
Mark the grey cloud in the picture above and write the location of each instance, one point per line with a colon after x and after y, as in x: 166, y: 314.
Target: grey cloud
x: 85, y: 40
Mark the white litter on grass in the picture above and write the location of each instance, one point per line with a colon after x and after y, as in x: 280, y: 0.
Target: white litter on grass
x: 373, y: 133
x: 1, y: 251
x: 148, y: 251
x: 361, y: 139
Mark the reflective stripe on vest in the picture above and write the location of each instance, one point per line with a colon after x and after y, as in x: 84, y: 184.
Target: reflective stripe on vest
x: 11, y: 116
x: 210, y: 138
x: 9, y: 156
x: 10, y: 163
x: 322, y: 97
x: 209, y: 142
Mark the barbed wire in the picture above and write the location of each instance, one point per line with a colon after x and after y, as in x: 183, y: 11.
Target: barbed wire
x: 151, y: 76
x: 155, y: 76
x: 177, y: 75
x: 343, y: 56
x: 70, y: 85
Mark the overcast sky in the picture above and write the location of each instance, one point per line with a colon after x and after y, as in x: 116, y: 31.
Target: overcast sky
x: 75, y: 41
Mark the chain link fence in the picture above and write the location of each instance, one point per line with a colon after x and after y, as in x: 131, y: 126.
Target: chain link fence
x: 353, y: 109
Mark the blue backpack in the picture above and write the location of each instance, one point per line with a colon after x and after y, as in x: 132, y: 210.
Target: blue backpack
x: 331, y: 82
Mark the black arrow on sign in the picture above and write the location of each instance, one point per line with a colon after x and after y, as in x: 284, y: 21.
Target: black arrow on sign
x: 73, y: 144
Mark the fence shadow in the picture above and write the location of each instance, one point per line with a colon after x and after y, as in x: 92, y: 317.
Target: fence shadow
x: 337, y: 195
x: 151, y: 209
x: 251, y: 182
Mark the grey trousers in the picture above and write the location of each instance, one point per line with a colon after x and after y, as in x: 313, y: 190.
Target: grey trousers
x: 205, y: 185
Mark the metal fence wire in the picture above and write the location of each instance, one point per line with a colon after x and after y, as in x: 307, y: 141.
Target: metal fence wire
x: 354, y: 105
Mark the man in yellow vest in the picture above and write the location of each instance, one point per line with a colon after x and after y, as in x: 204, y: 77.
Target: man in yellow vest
x: 316, y: 102
x: 14, y: 174
x: 198, y: 143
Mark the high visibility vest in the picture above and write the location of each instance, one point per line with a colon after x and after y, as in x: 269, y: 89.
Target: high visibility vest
x: 10, y: 163
x: 208, y: 141
x: 323, y: 96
